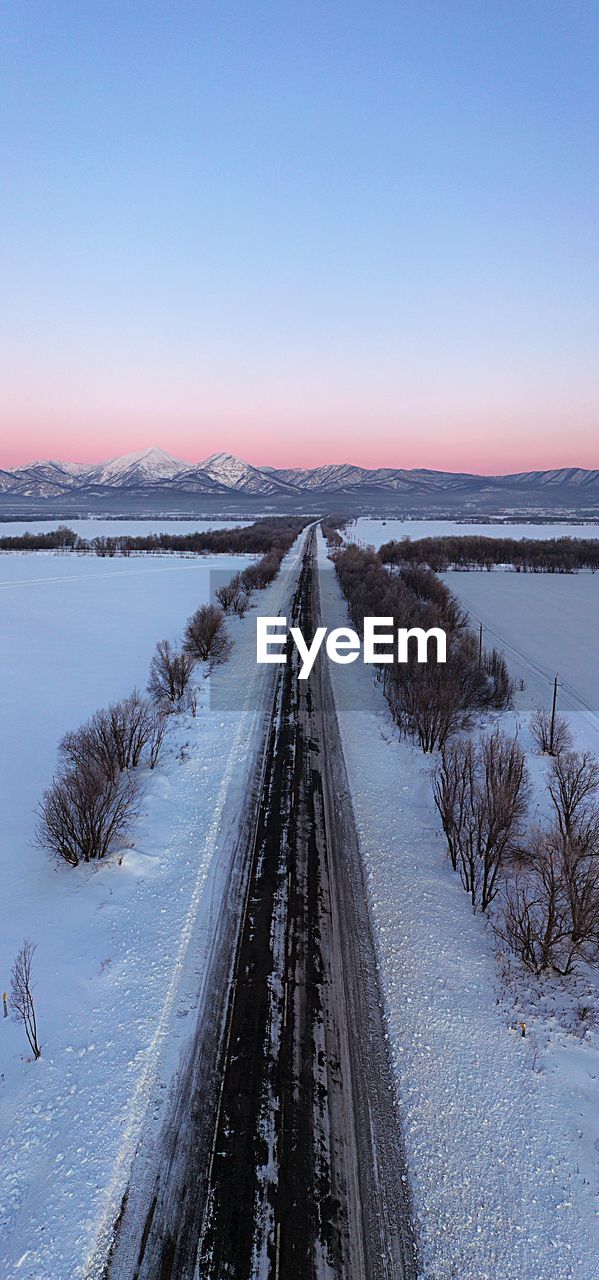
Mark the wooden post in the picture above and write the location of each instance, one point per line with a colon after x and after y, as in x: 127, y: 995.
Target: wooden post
x: 480, y: 645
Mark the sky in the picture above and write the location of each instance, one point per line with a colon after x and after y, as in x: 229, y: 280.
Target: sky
x: 301, y: 232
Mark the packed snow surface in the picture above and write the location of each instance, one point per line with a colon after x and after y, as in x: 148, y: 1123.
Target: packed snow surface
x: 374, y: 533
x: 121, y: 945
x: 500, y: 1134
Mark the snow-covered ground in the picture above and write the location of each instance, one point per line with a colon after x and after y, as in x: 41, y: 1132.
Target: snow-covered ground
x: 374, y: 533
x: 121, y: 947
x: 112, y: 528
x: 547, y: 624
x: 500, y: 1130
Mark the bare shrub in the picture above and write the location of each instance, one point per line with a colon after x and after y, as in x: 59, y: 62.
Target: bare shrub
x: 170, y: 673
x: 501, y: 686
x: 114, y: 739
x: 540, y: 730
x: 206, y: 635
x: 84, y: 812
x: 21, y: 995
x: 481, y: 793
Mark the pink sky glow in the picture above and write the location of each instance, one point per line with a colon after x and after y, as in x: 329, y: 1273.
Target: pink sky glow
x: 502, y: 447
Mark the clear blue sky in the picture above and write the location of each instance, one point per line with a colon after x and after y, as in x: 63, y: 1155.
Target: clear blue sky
x: 303, y: 232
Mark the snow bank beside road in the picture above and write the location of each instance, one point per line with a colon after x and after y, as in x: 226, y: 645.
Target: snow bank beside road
x: 494, y: 1168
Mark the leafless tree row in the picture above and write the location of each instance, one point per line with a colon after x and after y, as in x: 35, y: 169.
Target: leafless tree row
x: 429, y: 702
x: 95, y: 794
x: 547, y: 878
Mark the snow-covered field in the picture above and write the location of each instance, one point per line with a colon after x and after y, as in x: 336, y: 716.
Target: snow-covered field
x: 548, y: 625
x: 500, y: 1130
x: 121, y: 948
x: 374, y: 533
x: 112, y: 528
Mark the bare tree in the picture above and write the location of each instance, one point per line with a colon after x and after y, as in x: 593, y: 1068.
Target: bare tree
x: 21, y: 995
x: 206, y: 635
x: 170, y: 673
x: 481, y: 792
x: 540, y: 729
x: 83, y: 813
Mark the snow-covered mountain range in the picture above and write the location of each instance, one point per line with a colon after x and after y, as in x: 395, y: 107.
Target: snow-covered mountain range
x: 156, y: 471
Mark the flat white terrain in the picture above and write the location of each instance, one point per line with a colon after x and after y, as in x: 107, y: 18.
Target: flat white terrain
x: 547, y: 624
x: 373, y: 533
x: 121, y: 947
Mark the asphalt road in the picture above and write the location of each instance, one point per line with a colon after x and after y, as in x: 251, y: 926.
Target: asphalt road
x: 282, y: 1156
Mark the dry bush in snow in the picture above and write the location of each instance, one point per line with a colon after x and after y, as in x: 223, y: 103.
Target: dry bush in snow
x: 114, y: 739
x: 551, y: 911
x: 84, y: 813
x: 540, y: 730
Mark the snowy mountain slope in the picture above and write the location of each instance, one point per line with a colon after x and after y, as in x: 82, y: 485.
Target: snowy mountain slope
x: 7, y: 481
x: 574, y: 477
x: 232, y: 473
x: 42, y: 479
x: 223, y: 472
x: 135, y: 469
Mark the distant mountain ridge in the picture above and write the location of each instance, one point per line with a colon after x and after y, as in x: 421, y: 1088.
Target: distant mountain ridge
x: 155, y: 471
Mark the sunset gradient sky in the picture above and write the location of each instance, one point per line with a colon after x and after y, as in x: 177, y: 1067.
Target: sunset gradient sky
x: 301, y: 231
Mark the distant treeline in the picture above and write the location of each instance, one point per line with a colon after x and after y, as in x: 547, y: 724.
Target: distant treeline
x: 527, y: 555
x: 274, y: 535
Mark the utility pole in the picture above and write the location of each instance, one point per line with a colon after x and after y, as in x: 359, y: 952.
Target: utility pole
x: 553, y: 705
x: 480, y: 645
